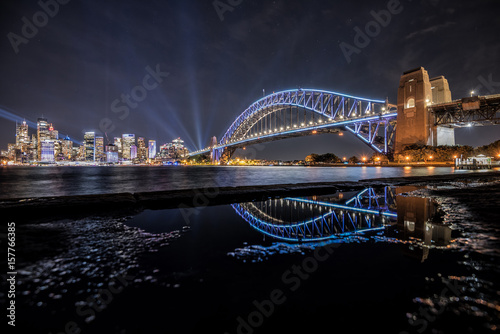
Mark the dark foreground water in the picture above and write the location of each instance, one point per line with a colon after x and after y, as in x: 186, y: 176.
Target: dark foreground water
x: 25, y: 182
x: 381, y: 260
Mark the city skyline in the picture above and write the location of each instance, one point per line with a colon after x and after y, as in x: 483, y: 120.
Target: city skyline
x: 45, y: 146
x: 196, y: 69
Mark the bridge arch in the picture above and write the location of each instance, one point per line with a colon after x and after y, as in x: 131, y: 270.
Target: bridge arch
x: 305, y: 220
x: 308, y: 111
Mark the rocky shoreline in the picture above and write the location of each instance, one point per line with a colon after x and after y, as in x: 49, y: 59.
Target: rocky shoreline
x: 50, y: 208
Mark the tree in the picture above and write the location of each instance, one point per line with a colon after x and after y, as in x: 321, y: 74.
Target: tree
x: 353, y: 160
x: 328, y: 158
x: 312, y: 158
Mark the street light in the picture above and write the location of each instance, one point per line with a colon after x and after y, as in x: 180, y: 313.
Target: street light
x: 471, y: 93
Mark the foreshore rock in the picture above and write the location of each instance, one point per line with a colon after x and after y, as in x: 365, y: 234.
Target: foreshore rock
x: 50, y: 208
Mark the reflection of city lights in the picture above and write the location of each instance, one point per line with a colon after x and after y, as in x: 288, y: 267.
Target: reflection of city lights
x: 341, y: 133
x: 314, y: 132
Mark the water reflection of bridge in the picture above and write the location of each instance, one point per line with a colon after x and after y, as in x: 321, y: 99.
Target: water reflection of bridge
x: 343, y: 214
x: 318, y: 218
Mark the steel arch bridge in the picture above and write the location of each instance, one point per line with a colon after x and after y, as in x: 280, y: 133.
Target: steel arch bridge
x: 302, y: 112
x: 313, y: 220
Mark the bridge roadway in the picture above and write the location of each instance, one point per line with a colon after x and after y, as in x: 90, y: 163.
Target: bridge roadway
x: 466, y: 112
x: 305, y: 112
x: 299, y: 131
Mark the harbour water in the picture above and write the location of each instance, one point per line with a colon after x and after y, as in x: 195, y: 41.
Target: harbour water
x: 380, y: 259
x: 26, y: 182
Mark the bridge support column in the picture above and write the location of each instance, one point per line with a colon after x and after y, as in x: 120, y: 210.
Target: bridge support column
x: 414, y: 123
x: 221, y: 155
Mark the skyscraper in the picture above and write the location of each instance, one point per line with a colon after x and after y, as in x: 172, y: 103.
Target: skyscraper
x: 127, y: 141
x: 152, y: 149
x: 100, y: 155
x: 47, y: 151
x: 89, y: 142
x: 118, y: 143
x: 133, y: 152
x: 42, y: 133
x: 67, y: 148
x: 111, y: 153
x: 53, y: 133
x: 142, y: 150
x: 22, y: 137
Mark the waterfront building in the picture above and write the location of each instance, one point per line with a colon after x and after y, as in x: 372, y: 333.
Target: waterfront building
x: 111, y: 153
x: 53, y: 133
x: 100, y: 155
x: 152, y: 149
x: 22, y: 137
x: 127, y: 141
x: 42, y: 133
x: 11, y: 151
x: 47, y: 151
x: 133, y: 152
x: 174, y: 150
x: 89, y: 142
x: 142, y: 150
x: 117, y: 141
x: 67, y: 148
x: 81, y: 153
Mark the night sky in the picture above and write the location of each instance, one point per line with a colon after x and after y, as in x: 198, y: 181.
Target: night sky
x: 212, y: 65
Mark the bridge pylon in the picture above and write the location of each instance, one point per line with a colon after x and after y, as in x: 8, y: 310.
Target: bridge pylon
x: 415, y: 122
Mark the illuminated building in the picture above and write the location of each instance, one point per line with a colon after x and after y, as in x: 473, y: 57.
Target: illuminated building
x: 81, y: 153
x: 89, y: 142
x: 42, y: 133
x: 67, y: 148
x: 11, y: 151
x: 133, y: 152
x: 118, y: 143
x: 111, y: 153
x: 22, y: 137
x: 174, y: 150
x: 142, y: 151
x: 53, y: 134
x: 127, y: 141
x: 152, y: 149
x: 100, y: 155
x: 47, y: 151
